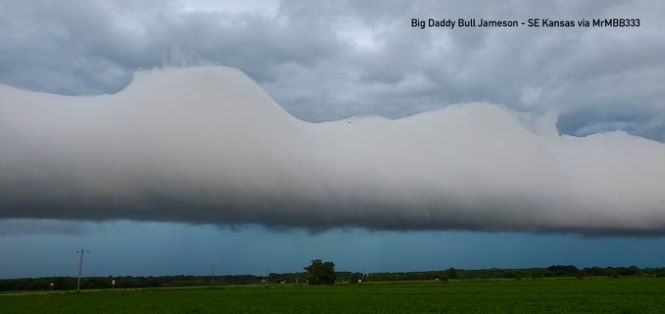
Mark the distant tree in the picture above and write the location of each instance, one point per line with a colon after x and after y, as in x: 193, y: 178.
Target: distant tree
x: 321, y: 273
x: 537, y: 274
x: 611, y: 272
x: 579, y: 275
x: 512, y: 274
x: 561, y: 271
x: 355, y: 277
x: 451, y: 273
x: 631, y: 271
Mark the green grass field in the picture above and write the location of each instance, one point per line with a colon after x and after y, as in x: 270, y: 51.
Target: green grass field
x: 628, y: 295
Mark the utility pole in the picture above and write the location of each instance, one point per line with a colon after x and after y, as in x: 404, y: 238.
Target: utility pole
x: 78, y: 283
x: 212, y: 273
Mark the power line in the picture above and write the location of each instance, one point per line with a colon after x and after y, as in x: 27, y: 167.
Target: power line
x: 78, y: 282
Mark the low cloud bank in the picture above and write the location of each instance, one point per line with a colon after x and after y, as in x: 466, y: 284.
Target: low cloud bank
x: 207, y: 145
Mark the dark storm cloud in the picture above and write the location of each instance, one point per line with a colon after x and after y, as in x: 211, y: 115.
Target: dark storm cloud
x: 207, y: 145
x: 329, y: 60
x: 16, y: 227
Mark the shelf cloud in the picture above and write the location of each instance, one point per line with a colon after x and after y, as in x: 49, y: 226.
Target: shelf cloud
x: 208, y: 145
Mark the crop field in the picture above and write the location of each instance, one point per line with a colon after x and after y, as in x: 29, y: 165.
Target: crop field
x: 597, y: 295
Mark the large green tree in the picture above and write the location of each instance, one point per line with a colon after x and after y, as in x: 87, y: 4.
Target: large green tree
x: 321, y: 273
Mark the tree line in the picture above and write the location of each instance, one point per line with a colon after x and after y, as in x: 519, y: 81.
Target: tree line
x: 320, y: 272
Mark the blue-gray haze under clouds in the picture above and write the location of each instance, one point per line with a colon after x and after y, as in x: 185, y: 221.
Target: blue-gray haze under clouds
x: 441, y: 130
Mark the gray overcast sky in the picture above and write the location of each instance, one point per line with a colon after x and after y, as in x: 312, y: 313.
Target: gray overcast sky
x: 326, y: 60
